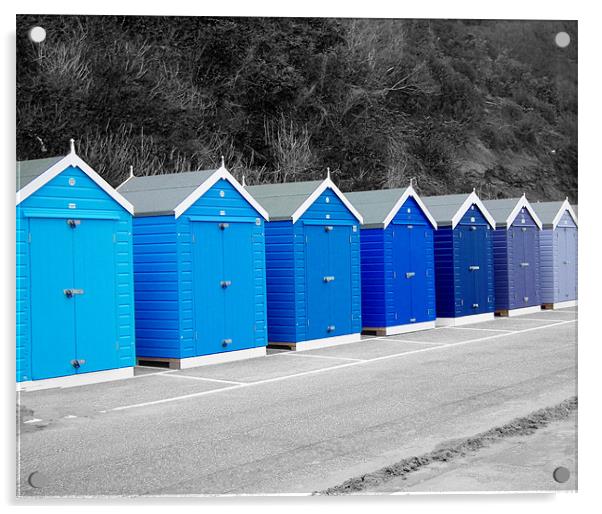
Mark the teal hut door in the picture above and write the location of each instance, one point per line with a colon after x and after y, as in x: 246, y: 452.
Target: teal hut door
x: 94, y: 271
x: 52, y: 312
x: 72, y: 296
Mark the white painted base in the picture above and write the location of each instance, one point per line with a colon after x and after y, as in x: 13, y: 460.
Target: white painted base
x: 524, y: 310
x: 563, y: 305
x: 464, y: 320
x: 94, y: 377
x: 219, y: 358
x: 325, y: 342
x: 403, y: 329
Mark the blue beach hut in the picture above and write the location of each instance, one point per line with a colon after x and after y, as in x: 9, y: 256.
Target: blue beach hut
x: 515, y: 256
x: 75, y: 302
x: 463, y: 259
x: 199, y: 269
x: 558, y: 254
x: 397, y: 259
x: 313, y: 264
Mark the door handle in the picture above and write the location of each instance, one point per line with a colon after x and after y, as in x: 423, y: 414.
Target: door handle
x: 226, y: 342
x: 475, y: 305
x: 329, y: 278
x: 225, y: 283
x: 524, y: 264
x: 224, y: 226
x: 71, y: 292
x: 410, y: 274
x: 76, y: 363
x: 330, y: 328
x: 328, y: 228
x: 73, y: 223
x: 474, y: 268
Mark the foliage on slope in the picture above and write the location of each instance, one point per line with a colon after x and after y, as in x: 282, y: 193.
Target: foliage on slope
x: 455, y: 104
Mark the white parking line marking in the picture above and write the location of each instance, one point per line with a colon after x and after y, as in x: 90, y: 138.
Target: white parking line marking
x: 544, y: 320
x: 202, y: 378
x: 487, y: 329
x: 332, y: 368
x: 34, y: 420
x: 415, y: 342
x: 304, y: 354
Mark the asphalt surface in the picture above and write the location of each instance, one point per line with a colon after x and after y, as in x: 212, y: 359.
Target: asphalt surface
x: 294, y: 423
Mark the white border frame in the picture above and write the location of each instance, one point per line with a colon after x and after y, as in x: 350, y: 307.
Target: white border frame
x: 327, y: 183
x: 472, y: 198
x: 220, y: 173
x: 72, y: 159
x: 409, y: 193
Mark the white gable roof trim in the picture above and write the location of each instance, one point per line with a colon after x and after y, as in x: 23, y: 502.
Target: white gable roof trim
x: 72, y: 159
x: 566, y: 206
x: 409, y: 193
x: 523, y: 202
x: 327, y: 183
x: 471, y: 199
x: 221, y: 173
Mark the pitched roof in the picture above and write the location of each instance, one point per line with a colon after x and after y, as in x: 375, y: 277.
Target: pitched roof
x: 173, y: 193
x: 290, y: 200
x: 379, y: 207
x: 550, y: 212
x: 30, y: 170
x: 449, y: 209
x: 34, y: 174
x: 505, y: 211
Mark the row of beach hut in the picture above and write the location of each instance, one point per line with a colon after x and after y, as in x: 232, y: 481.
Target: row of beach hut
x: 187, y: 269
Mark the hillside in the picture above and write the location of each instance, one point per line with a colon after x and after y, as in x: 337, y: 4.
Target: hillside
x: 455, y: 104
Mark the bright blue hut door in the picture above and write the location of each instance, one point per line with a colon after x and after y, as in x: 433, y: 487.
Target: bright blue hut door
x: 224, y: 293
x: 328, y: 277
x: 73, y: 299
x: 410, y: 270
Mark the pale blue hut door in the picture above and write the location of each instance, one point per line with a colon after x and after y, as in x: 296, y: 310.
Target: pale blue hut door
x: 563, y: 263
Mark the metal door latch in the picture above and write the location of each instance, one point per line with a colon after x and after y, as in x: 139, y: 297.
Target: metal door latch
x: 73, y: 223
x: 224, y: 226
x: 76, y: 363
x: 474, y: 268
x: 524, y: 264
x: 475, y: 305
x: 328, y: 228
x: 330, y: 328
x: 410, y: 274
x: 329, y: 278
x: 225, y: 283
x: 71, y: 292
x: 226, y: 342
x: 412, y: 320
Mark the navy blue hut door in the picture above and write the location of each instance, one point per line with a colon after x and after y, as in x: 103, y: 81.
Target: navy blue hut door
x: 328, y: 279
x: 419, y: 235
x: 468, y: 269
x: 223, y: 286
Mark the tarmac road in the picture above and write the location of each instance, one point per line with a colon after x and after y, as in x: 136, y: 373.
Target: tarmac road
x: 294, y: 423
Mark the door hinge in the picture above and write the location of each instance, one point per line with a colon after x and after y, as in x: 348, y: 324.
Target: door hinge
x: 193, y: 239
x: 117, y: 345
x: 114, y: 238
x: 29, y: 238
